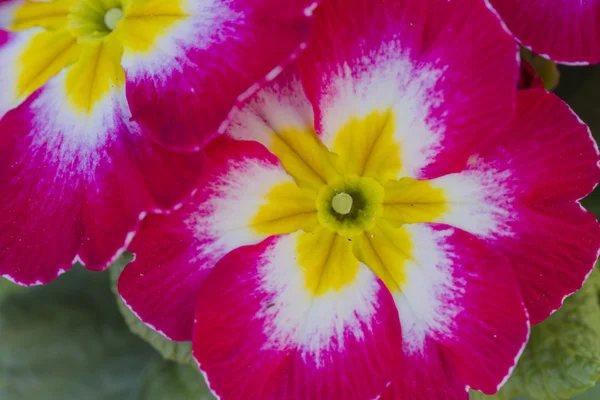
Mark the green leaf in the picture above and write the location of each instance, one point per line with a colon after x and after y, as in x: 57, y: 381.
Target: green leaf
x: 180, y: 352
x: 7, y: 288
x: 562, y: 358
x: 67, y: 341
x: 169, y: 380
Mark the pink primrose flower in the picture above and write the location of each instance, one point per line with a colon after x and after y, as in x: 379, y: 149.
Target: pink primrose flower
x: 385, y: 220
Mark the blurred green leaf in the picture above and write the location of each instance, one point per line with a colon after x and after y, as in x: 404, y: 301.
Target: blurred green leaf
x: 67, y: 341
x: 7, y: 288
x: 562, y: 358
x: 176, y: 351
x: 170, y: 380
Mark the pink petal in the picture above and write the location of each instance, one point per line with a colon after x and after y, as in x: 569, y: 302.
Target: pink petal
x: 183, y: 90
x: 463, y: 320
x: 426, y: 67
x: 75, y: 185
x: 160, y: 284
x: 520, y: 194
x: 565, y: 31
x: 427, y: 376
x: 553, y: 250
x: 260, y: 335
x: 175, y: 252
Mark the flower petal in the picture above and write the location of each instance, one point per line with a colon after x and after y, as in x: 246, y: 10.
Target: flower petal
x: 565, y: 31
x: 519, y: 193
x: 372, y: 153
x: 95, y: 74
x: 65, y: 173
x: 261, y: 333
x: 456, y: 299
x: 159, y: 285
x: 427, y: 375
x: 183, y: 80
x: 28, y: 59
x: 280, y: 117
x: 408, y: 201
x: 244, y: 196
x: 18, y: 15
x: 419, y: 68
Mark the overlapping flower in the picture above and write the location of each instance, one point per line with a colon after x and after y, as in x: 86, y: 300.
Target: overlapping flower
x: 95, y: 96
x: 383, y: 221
x: 565, y: 31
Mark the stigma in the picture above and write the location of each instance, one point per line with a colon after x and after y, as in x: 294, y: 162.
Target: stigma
x: 342, y: 203
x: 112, y: 18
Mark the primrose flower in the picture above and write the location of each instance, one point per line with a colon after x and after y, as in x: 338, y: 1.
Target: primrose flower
x: 564, y: 31
x: 390, y: 225
x: 96, y: 93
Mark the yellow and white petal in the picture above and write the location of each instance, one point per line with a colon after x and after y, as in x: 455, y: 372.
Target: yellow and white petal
x: 148, y: 25
x: 18, y: 15
x: 281, y: 118
x: 386, y: 250
x: 28, y: 59
x: 96, y: 73
x: 408, y: 201
x: 366, y: 146
x: 326, y: 261
x: 286, y: 208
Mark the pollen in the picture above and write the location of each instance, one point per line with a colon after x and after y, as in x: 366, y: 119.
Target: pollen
x: 342, y: 203
x: 112, y: 18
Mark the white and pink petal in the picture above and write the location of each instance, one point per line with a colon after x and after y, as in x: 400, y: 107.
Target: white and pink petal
x: 182, y: 88
x: 421, y: 69
x: 75, y: 184
x: 261, y: 333
x: 519, y: 193
x: 278, y: 107
x: 463, y: 320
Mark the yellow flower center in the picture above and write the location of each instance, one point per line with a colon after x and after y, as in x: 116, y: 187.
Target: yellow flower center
x: 349, y: 205
x: 350, y: 201
x: 112, y: 18
x: 90, y: 20
x: 88, y: 38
